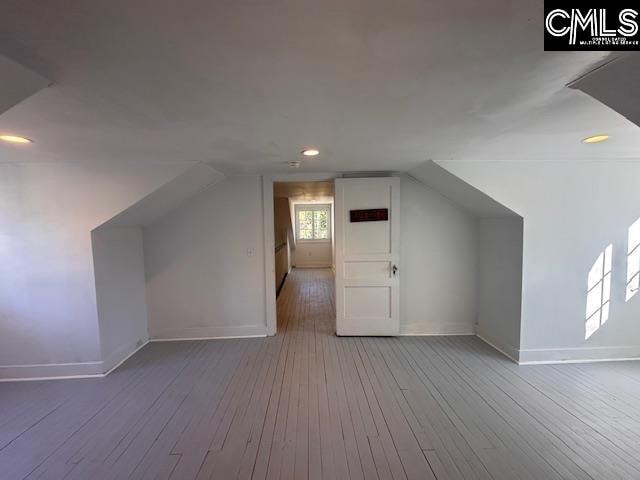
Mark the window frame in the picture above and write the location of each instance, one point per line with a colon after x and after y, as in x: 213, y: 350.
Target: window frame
x: 313, y: 207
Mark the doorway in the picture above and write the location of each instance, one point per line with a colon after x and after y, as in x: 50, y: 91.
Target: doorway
x: 304, y: 258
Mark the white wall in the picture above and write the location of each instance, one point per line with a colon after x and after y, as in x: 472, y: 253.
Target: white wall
x: 48, y: 315
x: 500, y: 283
x: 118, y: 261
x: 571, y: 212
x: 204, y: 264
x: 313, y: 254
x: 438, y: 263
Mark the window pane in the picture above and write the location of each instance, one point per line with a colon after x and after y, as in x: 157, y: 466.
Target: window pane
x: 305, y: 224
x: 320, y: 220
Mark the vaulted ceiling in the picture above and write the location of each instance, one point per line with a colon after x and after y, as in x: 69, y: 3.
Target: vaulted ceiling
x: 245, y: 85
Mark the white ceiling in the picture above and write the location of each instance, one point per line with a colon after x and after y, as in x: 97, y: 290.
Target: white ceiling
x: 245, y: 85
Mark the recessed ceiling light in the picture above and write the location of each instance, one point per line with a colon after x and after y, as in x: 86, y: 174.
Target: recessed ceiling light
x: 596, y: 139
x: 310, y: 152
x: 14, y: 139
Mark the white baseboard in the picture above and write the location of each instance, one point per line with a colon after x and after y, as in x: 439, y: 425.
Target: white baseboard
x: 551, y: 356
x: 209, y: 333
x: 462, y: 334
x: 508, y: 351
x: 120, y: 356
x: 420, y: 329
x: 99, y: 369
x: 66, y: 371
x: 191, y: 339
x: 50, y: 371
x: 544, y: 356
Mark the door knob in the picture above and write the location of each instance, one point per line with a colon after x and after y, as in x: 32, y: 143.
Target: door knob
x: 394, y: 270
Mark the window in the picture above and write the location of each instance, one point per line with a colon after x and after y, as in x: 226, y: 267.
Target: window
x: 313, y: 222
x: 598, y: 292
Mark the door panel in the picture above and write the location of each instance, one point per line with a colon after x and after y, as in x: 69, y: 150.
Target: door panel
x: 366, y: 270
x: 367, y: 288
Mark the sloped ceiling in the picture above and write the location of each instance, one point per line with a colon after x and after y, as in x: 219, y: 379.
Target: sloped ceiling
x: 244, y: 85
x: 460, y: 192
x: 616, y: 84
x: 18, y: 83
x: 166, y: 198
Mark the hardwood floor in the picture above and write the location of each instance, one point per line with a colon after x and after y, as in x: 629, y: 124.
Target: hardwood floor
x: 306, y: 404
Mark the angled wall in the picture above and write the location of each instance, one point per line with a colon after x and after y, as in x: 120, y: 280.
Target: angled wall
x: 438, y: 263
x: 572, y: 212
x: 204, y: 264
x: 48, y: 310
x: 499, y: 284
x: 481, y: 269
x: 118, y: 263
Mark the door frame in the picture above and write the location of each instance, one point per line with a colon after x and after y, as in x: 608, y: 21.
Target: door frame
x: 269, y: 240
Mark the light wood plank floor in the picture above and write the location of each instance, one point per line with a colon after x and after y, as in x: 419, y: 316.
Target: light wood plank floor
x: 306, y: 404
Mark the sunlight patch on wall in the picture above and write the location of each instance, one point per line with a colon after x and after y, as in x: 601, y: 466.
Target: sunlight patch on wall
x: 633, y: 260
x: 598, y: 292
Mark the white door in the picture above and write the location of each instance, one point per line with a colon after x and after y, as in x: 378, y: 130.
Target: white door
x: 367, y: 255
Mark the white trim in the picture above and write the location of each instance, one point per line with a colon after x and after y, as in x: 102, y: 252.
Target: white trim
x: 268, y: 235
x: 435, y: 329
x: 511, y: 356
x: 564, y: 355
x: 37, y: 368
x: 127, y: 357
x: 112, y: 369
x: 191, y: 339
x: 469, y: 334
x: 41, y: 379
x: 542, y: 356
x: 584, y: 360
x: 211, y: 332
x: 19, y: 373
